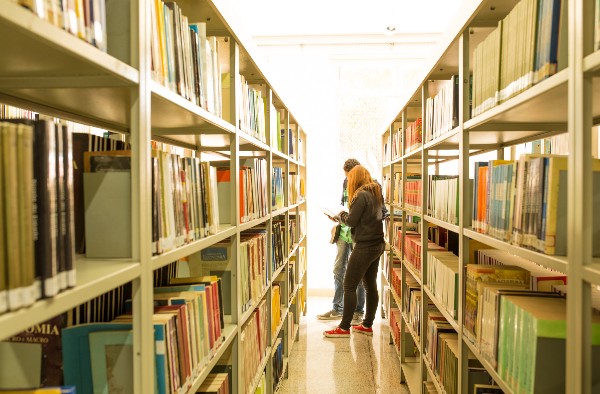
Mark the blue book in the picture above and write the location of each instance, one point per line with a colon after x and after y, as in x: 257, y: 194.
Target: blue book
x: 77, y: 366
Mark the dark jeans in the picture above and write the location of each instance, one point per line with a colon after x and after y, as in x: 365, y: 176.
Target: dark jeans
x: 362, y: 266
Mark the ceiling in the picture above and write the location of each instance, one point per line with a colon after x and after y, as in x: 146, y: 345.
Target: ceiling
x: 342, y: 66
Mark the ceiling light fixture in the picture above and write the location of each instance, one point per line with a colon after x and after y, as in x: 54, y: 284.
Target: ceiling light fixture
x: 390, y: 30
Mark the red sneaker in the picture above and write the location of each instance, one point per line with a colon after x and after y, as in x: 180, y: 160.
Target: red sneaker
x: 337, y: 333
x: 362, y: 329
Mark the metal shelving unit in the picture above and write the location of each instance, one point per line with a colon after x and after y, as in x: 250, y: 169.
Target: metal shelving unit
x: 48, y: 70
x: 567, y: 102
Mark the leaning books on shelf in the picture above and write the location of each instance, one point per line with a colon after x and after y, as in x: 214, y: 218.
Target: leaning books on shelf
x: 487, y: 273
x: 37, y: 228
x: 526, y: 47
x: 536, y: 326
x: 442, y: 109
x: 443, y: 198
x: 525, y: 202
x: 414, y: 135
x: 253, y: 256
x: 185, y: 59
x: 185, y: 202
x: 253, y: 339
x: 253, y: 188
x: 252, y: 110
x: 277, y: 363
x: 84, y: 19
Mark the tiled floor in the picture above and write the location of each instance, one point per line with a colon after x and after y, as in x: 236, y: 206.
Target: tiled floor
x: 359, y: 364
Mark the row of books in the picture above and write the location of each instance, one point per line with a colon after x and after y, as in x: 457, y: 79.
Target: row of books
x: 413, y: 190
x: 253, y: 189
x: 185, y: 202
x: 184, y: 58
x: 295, y: 188
x: 441, y: 352
x: 525, y: 202
x: 291, y: 329
x: 253, y: 265
x: 277, y: 191
x: 443, y: 198
x: 85, y: 19
x: 395, y: 322
x: 411, y: 300
x: 37, y: 230
x: 252, y: 111
x: 527, y: 46
x: 441, y: 110
x: 253, y: 340
x: 532, y: 342
x: 188, y: 323
x: 413, y: 250
x: 277, y: 244
x: 414, y: 135
x: 277, y: 297
x: 394, y: 197
x: 396, y: 142
x: 277, y: 361
x: 442, y: 279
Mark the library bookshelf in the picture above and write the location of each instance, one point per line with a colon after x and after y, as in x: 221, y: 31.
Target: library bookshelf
x: 57, y: 74
x: 564, y: 103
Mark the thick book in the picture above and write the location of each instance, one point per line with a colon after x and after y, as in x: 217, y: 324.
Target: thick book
x: 46, y: 206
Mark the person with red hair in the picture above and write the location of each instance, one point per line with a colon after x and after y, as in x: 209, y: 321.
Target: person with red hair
x: 365, y: 221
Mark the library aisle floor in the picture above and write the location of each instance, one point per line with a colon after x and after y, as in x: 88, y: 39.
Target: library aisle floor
x: 359, y: 364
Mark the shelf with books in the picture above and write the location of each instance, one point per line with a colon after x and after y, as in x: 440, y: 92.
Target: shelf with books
x: 282, y: 323
x: 225, y: 231
x: 441, y: 223
x: 488, y: 367
x: 229, y: 334
x: 557, y: 263
x: 434, y: 377
x: 413, y: 271
x: 412, y: 332
x: 251, y: 308
x: 541, y: 107
x: 38, y: 48
x: 440, y: 307
x: 257, y: 377
x: 94, y: 277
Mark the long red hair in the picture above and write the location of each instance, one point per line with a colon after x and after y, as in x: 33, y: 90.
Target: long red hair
x: 359, y: 177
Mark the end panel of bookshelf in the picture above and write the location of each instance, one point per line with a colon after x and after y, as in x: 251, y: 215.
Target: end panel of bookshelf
x: 94, y: 277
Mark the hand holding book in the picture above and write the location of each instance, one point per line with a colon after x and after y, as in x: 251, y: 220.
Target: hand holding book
x: 334, y: 214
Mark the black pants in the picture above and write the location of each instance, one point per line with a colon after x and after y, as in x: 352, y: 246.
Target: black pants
x: 362, y: 266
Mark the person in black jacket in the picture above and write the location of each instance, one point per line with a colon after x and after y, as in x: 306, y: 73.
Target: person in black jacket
x: 365, y: 220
